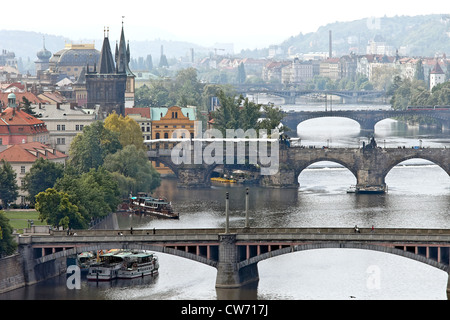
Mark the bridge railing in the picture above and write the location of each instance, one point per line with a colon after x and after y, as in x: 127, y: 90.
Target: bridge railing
x: 140, y: 232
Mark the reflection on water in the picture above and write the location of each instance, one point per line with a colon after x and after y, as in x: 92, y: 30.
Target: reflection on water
x: 418, y: 197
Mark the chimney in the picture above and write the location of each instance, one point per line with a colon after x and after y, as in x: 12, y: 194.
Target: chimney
x: 58, y: 106
x: 330, y: 44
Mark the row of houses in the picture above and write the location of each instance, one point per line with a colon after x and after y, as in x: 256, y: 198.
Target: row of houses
x: 297, y: 71
x: 25, y: 138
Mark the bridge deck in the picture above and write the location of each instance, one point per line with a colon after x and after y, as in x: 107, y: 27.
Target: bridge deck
x: 245, y: 235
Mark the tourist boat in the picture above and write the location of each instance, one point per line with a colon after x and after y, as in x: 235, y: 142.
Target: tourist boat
x: 85, y: 259
x: 158, y: 207
x: 370, y: 189
x: 223, y: 180
x: 108, y: 266
x: 138, y: 264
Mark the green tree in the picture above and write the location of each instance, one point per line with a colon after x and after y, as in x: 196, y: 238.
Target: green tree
x: 42, y: 175
x: 128, y: 130
x: 89, y: 149
x: 227, y: 116
x: 241, y: 76
x: 56, y: 208
x: 272, y: 119
x: 186, y: 89
x: 132, y: 171
x: 419, y: 73
x: 7, y: 244
x: 95, y: 193
x: 26, y: 105
x: 8, y: 185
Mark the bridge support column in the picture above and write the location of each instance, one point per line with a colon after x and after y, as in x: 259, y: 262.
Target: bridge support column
x: 26, y: 251
x: 191, y: 177
x: 284, y: 178
x: 367, y: 126
x: 229, y: 275
x: 369, y: 176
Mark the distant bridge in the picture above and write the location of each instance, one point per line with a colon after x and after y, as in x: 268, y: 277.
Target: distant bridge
x: 367, y: 119
x: 290, y: 95
x: 234, y: 254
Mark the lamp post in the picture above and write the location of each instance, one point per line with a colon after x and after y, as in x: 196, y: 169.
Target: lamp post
x: 227, y: 218
x: 246, y: 208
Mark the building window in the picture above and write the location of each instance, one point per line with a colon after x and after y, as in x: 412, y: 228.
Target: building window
x: 61, y: 141
x: 166, y: 135
x: 157, y: 135
x: 22, y: 169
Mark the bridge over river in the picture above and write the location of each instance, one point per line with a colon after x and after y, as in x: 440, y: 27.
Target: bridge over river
x: 234, y: 252
x: 367, y: 119
x: 370, y: 166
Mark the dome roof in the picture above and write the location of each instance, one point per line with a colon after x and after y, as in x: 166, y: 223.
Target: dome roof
x: 44, y: 54
x: 79, y: 57
x: 11, y: 95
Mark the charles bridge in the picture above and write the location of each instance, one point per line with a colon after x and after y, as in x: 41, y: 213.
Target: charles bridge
x: 369, y: 165
x: 233, y: 252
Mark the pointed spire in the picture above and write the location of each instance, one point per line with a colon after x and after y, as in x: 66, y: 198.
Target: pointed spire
x: 106, y: 59
x: 122, y: 58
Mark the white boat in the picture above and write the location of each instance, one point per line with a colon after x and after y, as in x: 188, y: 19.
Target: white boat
x: 108, y: 267
x: 85, y: 259
x: 138, y: 265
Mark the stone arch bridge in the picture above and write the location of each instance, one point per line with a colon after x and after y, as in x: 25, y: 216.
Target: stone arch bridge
x: 367, y: 119
x: 234, y: 254
x: 369, y: 166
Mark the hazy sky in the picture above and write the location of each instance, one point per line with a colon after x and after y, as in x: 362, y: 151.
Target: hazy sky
x: 246, y: 23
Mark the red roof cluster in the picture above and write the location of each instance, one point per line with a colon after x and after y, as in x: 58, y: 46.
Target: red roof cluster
x: 30, y: 152
x: 16, y: 121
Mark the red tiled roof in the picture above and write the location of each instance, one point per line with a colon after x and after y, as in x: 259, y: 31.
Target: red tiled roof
x: 19, y: 95
x: 12, y: 120
x: 144, y: 112
x: 30, y: 152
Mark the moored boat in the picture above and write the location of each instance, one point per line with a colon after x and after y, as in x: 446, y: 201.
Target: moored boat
x: 139, y: 265
x: 368, y: 189
x: 85, y: 259
x: 108, y: 266
x: 158, y: 207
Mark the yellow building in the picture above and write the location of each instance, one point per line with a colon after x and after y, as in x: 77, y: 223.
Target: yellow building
x: 165, y: 120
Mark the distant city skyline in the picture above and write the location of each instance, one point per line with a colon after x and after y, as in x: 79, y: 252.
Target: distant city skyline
x: 247, y: 24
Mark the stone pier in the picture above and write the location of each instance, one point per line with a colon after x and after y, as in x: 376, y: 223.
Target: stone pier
x: 229, y: 275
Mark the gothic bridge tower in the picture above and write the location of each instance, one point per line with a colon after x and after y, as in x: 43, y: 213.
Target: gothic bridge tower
x: 107, y: 85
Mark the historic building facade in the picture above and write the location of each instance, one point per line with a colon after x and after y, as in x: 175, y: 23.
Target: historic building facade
x: 17, y: 126
x: 111, y: 82
x: 165, y: 122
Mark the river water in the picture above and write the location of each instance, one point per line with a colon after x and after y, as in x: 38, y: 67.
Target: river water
x: 418, y: 197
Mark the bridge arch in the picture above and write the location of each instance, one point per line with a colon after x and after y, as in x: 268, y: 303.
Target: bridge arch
x: 126, y: 246
x: 301, y: 166
x: 345, y: 245
x: 424, y: 156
